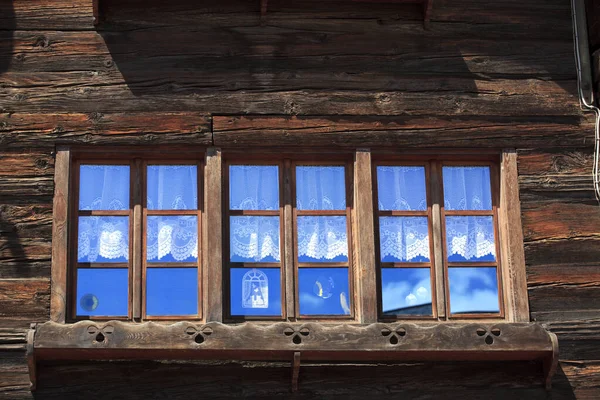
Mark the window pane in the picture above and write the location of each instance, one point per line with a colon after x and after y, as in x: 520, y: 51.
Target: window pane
x: 172, y: 187
x: 470, y: 239
x: 171, y: 291
x: 172, y: 238
x: 473, y: 290
x: 322, y: 239
x: 255, y: 292
x: 404, y: 239
x: 103, y: 239
x: 406, y: 291
x: 253, y: 187
x: 324, y: 291
x: 254, y: 239
x: 104, y: 187
x: 320, y: 188
x: 467, y: 188
x: 401, y: 188
x: 102, y: 291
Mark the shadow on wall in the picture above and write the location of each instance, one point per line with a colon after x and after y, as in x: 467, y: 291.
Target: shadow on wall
x: 187, y: 48
x: 7, y: 27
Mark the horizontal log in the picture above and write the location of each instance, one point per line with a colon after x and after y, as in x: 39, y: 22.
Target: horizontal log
x: 13, y: 339
x: 45, y: 14
x: 23, y: 301
x: 401, y: 132
x: 22, y: 130
x: 560, y: 220
x: 26, y: 221
x: 555, y: 163
x: 563, y: 252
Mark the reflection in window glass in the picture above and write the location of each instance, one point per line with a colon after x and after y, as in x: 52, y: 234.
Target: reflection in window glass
x: 102, y: 292
x: 254, y: 239
x: 322, y: 239
x: 470, y: 239
x: 171, y: 291
x: 172, y: 187
x: 104, y: 187
x: 467, y: 188
x: 320, y: 188
x: 401, y: 188
x: 172, y: 238
x: 404, y: 239
x: 255, y: 292
x: 406, y: 291
x: 324, y: 291
x: 103, y: 239
x: 253, y: 187
x: 473, y: 290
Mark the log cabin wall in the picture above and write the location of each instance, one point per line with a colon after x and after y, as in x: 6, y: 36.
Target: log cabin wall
x: 488, y: 74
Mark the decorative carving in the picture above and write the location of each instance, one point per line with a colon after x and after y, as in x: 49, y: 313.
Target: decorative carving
x: 199, y: 335
x: 100, y: 335
x: 488, y: 334
x: 393, y: 335
x: 296, y: 334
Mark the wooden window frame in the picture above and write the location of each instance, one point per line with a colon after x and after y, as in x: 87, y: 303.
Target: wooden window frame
x: 362, y: 225
x: 288, y: 213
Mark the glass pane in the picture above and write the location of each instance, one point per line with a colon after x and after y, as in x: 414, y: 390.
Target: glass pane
x: 104, y: 187
x: 102, y: 291
x: 171, y: 291
x: 255, y: 292
x: 103, y: 239
x: 467, y: 188
x: 401, y: 188
x: 324, y: 291
x: 470, y: 239
x: 406, y: 291
x: 320, y: 188
x: 253, y: 187
x: 404, y: 239
x: 172, y: 187
x: 473, y: 290
x: 322, y: 239
x: 254, y: 239
x: 172, y: 238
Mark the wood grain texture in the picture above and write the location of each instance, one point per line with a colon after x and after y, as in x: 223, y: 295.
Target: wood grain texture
x: 212, y: 231
x: 365, y: 237
x: 400, y: 132
x: 60, y: 236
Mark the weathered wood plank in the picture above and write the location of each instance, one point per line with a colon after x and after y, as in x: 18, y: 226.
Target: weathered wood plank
x: 212, y: 232
x: 22, y: 130
x: 396, y: 131
x: 560, y: 220
x: 47, y: 14
x: 60, y: 235
x: 23, y: 301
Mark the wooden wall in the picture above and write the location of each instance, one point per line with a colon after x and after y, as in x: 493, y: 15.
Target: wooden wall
x: 489, y: 73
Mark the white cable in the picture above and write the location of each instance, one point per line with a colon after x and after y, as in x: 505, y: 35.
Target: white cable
x: 586, y: 104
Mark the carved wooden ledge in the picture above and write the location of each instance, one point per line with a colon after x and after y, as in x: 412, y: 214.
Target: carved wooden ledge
x: 293, y: 342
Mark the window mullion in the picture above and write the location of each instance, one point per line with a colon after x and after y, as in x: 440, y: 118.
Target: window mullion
x: 288, y: 240
x: 138, y: 224
x: 435, y: 187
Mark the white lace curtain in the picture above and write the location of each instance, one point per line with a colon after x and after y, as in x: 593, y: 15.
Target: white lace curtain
x: 254, y: 239
x: 401, y: 188
x: 103, y: 239
x: 104, y: 187
x: 172, y: 187
x: 404, y: 239
x: 172, y: 238
x: 467, y: 188
x: 320, y: 188
x: 254, y: 187
x: 470, y: 237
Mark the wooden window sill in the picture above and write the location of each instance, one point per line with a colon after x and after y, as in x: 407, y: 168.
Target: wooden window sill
x: 293, y: 342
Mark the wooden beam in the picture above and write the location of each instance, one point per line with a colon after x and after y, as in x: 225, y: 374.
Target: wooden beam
x: 511, y: 240
x: 213, y: 234
x: 96, y: 11
x: 60, y: 235
x: 295, y: 371
x: 364, y: 239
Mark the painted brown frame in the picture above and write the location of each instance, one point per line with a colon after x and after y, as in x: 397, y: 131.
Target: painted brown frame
x: 191, y: 212
x: 495, y: 193
x: 228, y: 265
x: 428, y: 213
x: 348, y: 184
x: 75, y: 213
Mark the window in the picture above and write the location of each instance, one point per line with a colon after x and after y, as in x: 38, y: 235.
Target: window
x: 290, y: 238
x: 136, y: 231
x: 461, y: 195
x: 316, y: 239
